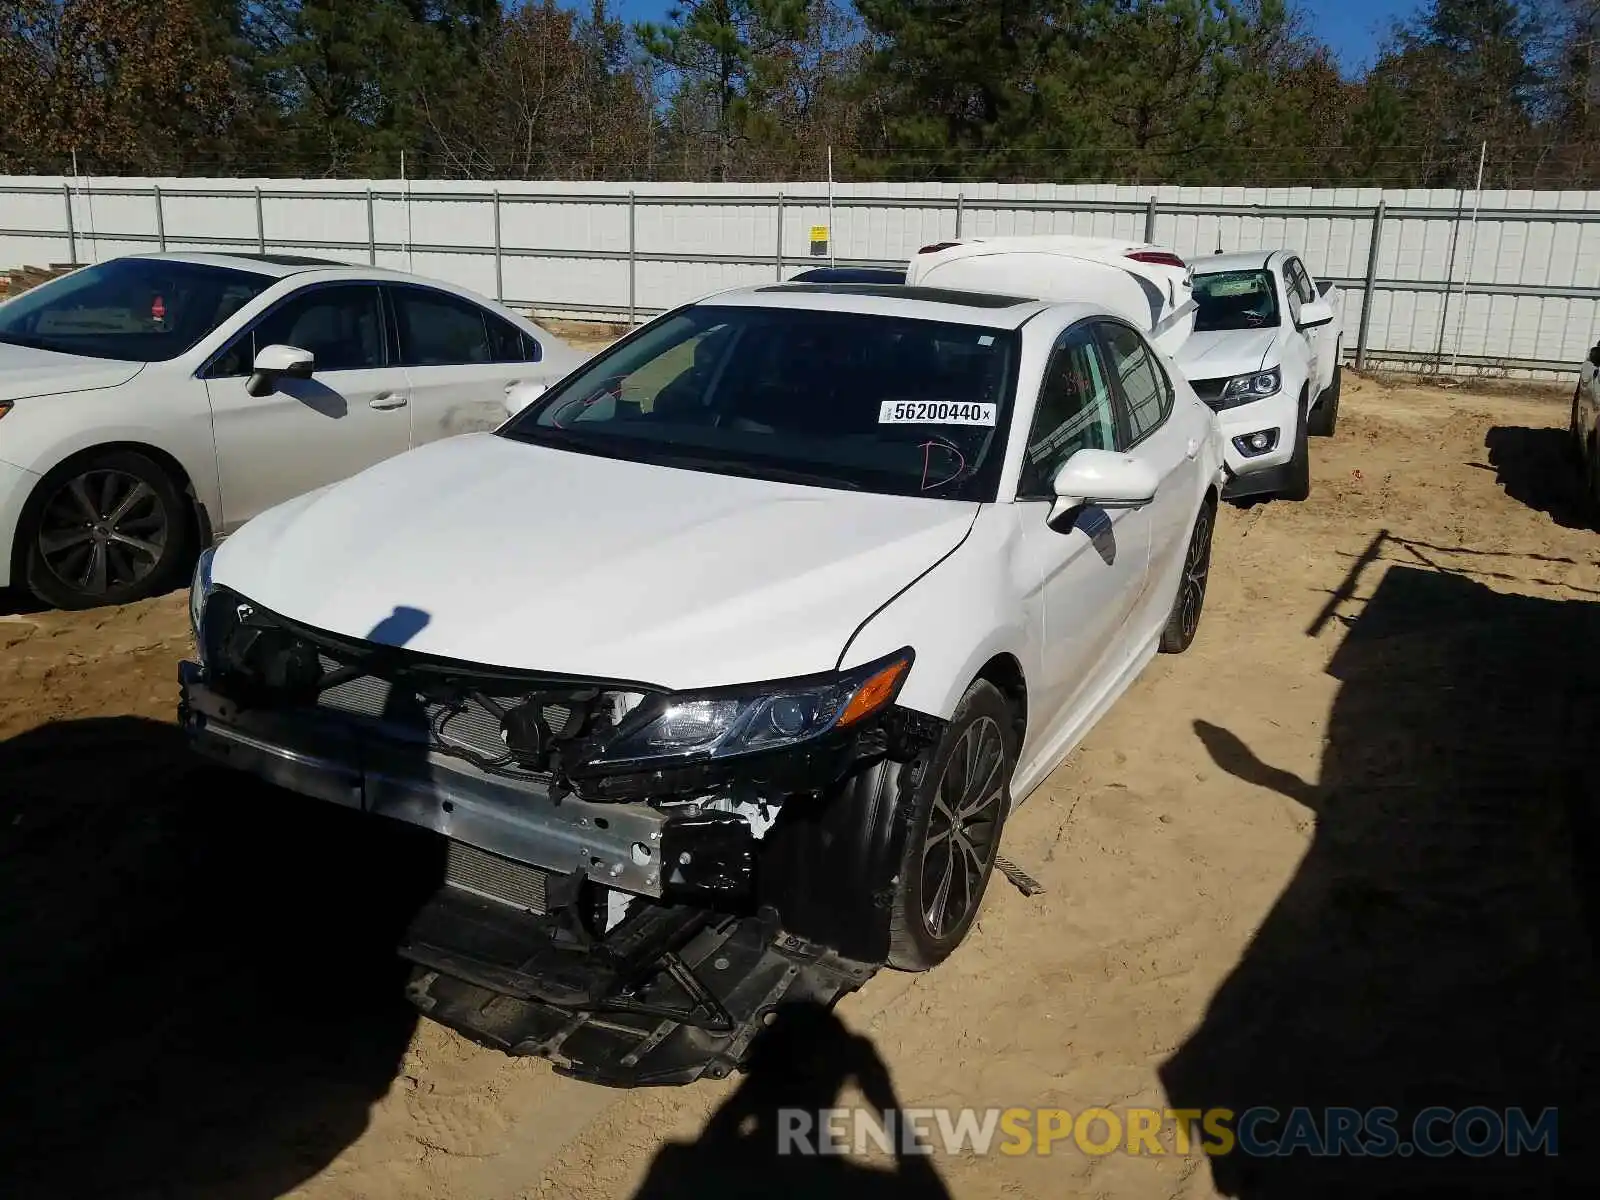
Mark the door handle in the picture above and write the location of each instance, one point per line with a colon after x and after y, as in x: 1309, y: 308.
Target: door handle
x: 386, y: 400
x: 1192, y: 448
x: 514, y: 384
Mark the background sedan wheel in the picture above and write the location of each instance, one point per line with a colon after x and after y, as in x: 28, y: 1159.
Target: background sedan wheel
x: 960, y: 810
x: 106, y: 530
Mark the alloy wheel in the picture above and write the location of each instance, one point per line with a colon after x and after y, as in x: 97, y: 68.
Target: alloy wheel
x: 963, y: 827
x: 1196, y: 567
x: 102, y: 531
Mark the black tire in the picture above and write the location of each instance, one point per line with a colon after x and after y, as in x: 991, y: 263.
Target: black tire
x: 1324, y: 417
x: 973, y: 764
x: 1183, y: 622
x: 1297, y: 481
x: 105, y: 529
x: 1591, y: 483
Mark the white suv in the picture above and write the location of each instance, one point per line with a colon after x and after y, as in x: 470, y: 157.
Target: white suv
x: 720, y: 666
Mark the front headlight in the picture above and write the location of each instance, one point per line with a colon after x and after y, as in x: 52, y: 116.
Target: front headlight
x: 199, y: 593
x: 732, y: 721
x: 1243, y: 389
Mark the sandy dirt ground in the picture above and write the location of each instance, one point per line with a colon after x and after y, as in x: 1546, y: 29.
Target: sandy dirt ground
x: 1339, y: 853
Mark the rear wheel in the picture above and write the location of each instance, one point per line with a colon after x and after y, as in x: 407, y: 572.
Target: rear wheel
x: 1324, y: 417
x: 105, y: 530
x: 960, y: 808
x: 1184, y: 620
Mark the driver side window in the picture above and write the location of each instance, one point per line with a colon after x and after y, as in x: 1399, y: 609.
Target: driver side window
x: 1074, y: 412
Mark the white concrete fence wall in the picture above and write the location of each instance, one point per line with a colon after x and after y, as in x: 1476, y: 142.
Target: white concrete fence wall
x: 1502, y: 282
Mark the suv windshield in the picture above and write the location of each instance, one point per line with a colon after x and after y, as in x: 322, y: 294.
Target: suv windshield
x: 1235, y: 300
x: 139, y: 309
x: 847, y: 400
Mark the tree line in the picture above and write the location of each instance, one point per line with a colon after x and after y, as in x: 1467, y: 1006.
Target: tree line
x: 1119, y: 91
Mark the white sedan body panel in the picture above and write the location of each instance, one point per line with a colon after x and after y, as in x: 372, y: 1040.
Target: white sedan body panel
x: 687, y: 579
x: 242, y: 454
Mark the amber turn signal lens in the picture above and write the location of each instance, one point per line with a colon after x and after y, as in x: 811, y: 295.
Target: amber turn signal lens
x: 874, y: 693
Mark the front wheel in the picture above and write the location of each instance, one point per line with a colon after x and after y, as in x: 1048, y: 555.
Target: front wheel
x: 1324, y: 417
x: 105, y: 530
x: 1297, y: 481
x: 960, y: 808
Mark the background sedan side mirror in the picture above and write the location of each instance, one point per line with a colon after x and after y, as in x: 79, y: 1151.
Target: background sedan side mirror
x: 1594, y: 357
x: 275, y: 362
x: 520, y: 395
x: 1105, y: 479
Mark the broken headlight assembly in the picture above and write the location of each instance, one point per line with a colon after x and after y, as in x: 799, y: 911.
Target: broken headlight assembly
x: 727, y: 722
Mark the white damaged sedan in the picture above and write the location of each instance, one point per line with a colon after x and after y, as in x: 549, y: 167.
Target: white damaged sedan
x: 718, y: 668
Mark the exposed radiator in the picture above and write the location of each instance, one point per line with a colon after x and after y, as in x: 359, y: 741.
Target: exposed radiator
x: 495, y: 878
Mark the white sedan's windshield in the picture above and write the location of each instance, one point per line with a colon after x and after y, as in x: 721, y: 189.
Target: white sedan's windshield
x: 850, y: 400
x: 139, y: 309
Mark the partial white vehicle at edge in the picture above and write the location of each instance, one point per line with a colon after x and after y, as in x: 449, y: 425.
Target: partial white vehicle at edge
x: 718, y: 668
x: 152, y: 402
x: 1265, y: 355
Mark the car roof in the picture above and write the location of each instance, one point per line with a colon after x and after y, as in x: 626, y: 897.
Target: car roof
x: 280, y: 266
x: 890, y: 299
x: 1236, y: 260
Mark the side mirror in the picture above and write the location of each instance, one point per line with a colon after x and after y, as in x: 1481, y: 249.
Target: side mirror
x: 1314, y: 313
x: 1594, y: 357
x: 1105, y: 479
x: 520, y: 395
x: 275, y: 362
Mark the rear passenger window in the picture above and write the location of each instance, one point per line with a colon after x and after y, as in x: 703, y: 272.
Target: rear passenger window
x: 1145, y: 388
x: 507, y: 343
x: 439, y: 330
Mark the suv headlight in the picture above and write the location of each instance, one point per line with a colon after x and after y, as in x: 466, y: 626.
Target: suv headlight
x: 747, y: 720
x: 1243, y: 389
x: 199, y: 593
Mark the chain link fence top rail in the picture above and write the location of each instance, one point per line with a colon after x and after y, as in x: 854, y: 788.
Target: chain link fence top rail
x: 1492, y: 282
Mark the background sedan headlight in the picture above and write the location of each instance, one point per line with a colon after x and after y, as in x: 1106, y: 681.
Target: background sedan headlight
x: 764, y: 717
x: 1243, y: 389
x: 199, y: 593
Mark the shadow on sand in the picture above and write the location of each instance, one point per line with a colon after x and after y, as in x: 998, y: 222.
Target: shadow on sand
x: 202, y: 996
x: 1437, y: 944
x: 801, y: 1062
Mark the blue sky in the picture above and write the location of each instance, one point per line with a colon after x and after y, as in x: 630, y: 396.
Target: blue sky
x: 1352, y: 27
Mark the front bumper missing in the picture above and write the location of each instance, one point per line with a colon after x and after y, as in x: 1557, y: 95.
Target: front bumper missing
x: 674, y: 992
x: 619, y: 845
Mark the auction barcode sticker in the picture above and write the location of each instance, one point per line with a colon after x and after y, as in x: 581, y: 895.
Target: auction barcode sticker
x: 935, y: 412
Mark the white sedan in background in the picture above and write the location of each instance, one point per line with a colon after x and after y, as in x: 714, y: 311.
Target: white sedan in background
x: 854, y: 567
x: 1265, y: 355
x: 150, y: 403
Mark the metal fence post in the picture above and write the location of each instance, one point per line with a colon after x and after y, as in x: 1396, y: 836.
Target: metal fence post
x: 372, y: 232
x: 261, y: 225
x: 72, y: 230
x: 1150, y: 221
x: 1372, y: 287
x: 633, y: 266
x: 499, y: 276
x: 961, y: 204
x: 161, y: 220
x: 780, y: 237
